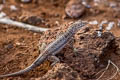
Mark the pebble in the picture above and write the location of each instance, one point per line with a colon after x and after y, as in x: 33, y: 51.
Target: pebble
x: 2, y: 14
x: 85, y: 4
x: 57, y: 23
x: 93, y: 22
x: 110, y: 25
x: 2, y: 1
x: 99, y: 33
x: 9, y: 46
x: 112, y: 5
x: 101, y: 27
x: 118, y: 23
x: 104, y: 22
x: 101, y: 24
x: 74, y: 9
x: 26, y: 1
x: 34, y: 20
x: 96, y: 2
x: 13, y: 8
x: 1, y: 7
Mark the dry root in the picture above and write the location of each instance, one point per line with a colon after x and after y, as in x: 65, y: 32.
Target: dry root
x: 104, y: 70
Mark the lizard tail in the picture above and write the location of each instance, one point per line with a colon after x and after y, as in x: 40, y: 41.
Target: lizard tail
x: 19, y: 72
x: 36, y: 63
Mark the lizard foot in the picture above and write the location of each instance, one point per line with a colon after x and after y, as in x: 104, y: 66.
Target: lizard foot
x: 53, y: 59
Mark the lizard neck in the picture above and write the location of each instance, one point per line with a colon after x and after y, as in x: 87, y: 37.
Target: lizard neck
x: 72, y: 30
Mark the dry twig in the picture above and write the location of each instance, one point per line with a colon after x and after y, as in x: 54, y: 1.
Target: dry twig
x: 6, y: 20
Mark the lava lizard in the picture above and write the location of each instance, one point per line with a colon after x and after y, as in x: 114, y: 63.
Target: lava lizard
x: 53, y: 48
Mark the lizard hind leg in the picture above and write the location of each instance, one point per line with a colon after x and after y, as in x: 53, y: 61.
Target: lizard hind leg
x: 54, y: 60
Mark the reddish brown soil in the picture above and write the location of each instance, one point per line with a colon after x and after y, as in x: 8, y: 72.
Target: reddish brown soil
x: 19, y: 47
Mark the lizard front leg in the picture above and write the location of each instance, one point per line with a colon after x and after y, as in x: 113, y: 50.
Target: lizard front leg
x: 42, y: 46
x: 54, y: 60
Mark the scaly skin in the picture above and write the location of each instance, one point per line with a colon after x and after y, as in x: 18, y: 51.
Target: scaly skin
x: 52, y: 49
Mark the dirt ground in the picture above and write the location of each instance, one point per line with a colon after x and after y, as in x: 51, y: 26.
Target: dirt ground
x: 19, y: 47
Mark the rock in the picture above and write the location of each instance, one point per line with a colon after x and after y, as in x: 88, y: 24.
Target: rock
x: 86, y: 53
x: 74, y: 9
x: 34, y: 20
x: 61, y: 72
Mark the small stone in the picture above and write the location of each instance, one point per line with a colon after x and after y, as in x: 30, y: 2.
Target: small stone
x: 101, y: 24
x: 2, y: 14
x: 104, y: 22
x: 96, y: 2
x: 1, y: 7
x: 13, y: 8
x: 118, y: 23
x: 2, y: 1
x: 74, y: 9
x: 9, y: 46
x: 93, y: 22
x: 113, y: 5
x: 34, y: 20
x: 57, y: 23
x: 26, y: 1
x: 110, y: 25
x: 85, y: 4
x: 18, y: 43
x: 99, y: 33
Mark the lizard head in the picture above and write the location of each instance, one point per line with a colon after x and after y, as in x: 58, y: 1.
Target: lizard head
x: 78, y: 25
